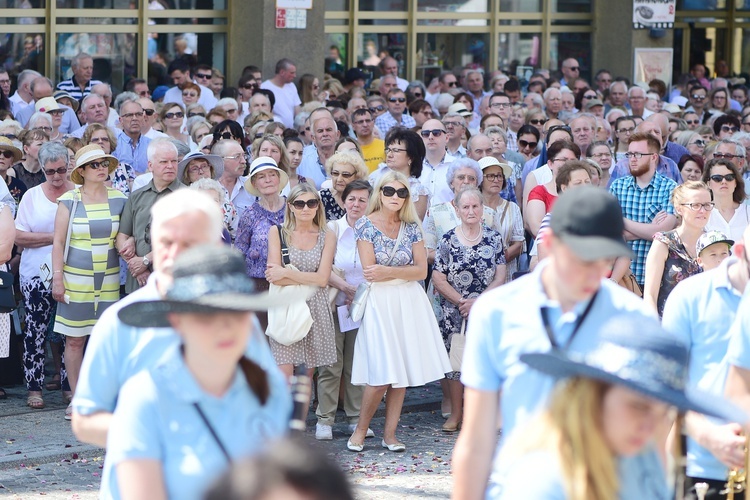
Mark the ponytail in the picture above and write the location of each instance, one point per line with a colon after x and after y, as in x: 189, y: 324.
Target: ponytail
x: 256, y: 378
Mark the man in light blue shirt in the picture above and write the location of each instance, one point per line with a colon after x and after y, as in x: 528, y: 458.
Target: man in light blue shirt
x: 700, y: 311
x: 132, y: 146
x: 324, y: 133
x: 560, y: 305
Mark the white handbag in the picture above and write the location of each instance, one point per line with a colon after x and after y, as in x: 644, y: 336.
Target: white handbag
x: 456, y: 354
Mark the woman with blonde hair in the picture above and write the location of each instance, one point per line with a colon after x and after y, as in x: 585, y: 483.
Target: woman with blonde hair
x: 342, y: 167
x: 672, y: 256
x: 308, y: 87
x: 311, y: 250
x: 399, y: 344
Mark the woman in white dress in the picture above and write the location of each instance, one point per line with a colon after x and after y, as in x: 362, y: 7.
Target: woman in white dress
x: 399, y: 343
x: 730, y: 216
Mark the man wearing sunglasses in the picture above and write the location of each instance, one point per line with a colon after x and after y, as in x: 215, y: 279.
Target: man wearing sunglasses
x: 570, y: 71
x: 436, y: 162
x: 372, y: 147
x: 149, y: 117
x: 180, y: 73
x: 396, y: 103
x: 697, y: 99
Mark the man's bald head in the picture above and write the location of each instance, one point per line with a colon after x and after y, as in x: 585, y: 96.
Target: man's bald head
x: 661, y: 121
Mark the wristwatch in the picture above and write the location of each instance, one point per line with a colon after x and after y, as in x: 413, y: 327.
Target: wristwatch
x: 146, y: 262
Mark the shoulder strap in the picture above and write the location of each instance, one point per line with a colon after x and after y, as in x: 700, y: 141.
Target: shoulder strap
x: 284, y: 249
x: 399, y: 238
x: 213, y: 432
x: 73, y: 209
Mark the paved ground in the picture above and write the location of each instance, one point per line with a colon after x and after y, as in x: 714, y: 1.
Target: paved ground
x: 39, y: 455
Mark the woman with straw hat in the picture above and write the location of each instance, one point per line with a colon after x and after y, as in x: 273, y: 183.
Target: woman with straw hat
x: 215, y: 398
x: 85, y: 266
x: 602, y: 417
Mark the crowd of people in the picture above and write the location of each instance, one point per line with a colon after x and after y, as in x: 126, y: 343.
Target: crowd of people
x: 178, y: 246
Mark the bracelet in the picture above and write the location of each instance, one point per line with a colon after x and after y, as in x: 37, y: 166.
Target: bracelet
x: 57, y: 272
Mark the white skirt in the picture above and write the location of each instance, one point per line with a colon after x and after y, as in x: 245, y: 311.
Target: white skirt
x: 399, y: 342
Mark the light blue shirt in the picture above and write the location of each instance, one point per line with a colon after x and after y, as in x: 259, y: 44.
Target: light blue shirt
x: 157, y: 419
x: 700, y: 311
x: 133, y: 154
x: 738, y: 352
x: 310, y: 168
x: 69, y: 120
x: 497, y: 335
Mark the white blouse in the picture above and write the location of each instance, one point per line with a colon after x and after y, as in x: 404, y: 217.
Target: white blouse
x: 735, y: 227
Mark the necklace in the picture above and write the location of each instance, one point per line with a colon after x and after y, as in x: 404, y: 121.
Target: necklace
x: 472, y: 240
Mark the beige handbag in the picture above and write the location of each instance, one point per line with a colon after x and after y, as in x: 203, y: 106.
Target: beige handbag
x: 456, y: 354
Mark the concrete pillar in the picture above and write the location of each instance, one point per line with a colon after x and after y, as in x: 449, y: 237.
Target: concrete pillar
x: 614, y: 38
x: 254, y: 39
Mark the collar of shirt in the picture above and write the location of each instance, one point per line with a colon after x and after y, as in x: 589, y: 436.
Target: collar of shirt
x: 175, y: 185
x: 444, y: 161
x: 720, y: 278
x: 558, y: 319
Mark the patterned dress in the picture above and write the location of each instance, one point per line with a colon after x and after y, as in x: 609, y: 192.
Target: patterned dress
x: 469, y: 270
x: 252, y: 237
x: 678, y: 266
x: 318, y: 348
x: 332, y: 209
x: 92, y: 270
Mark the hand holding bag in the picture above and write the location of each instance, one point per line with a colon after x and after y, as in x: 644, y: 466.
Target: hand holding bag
x: 45, y: 268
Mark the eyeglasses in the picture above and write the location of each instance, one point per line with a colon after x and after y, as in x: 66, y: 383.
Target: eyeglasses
x: 345, y: 175
x: 235, y: 157
x: 56, y: 112
x: 692, y: 122
x: 190, y: 115
x: 526, y: 144
x: 397, y: 99
x: 389, y: 191
x: 436, y: 132
x: 696, y: 207
x: 553, y: 160
x: 698, y: 97
x: 178, y: 114
x: 501, y: 105
x: 589, y: 96
x: 394, y: 150
x: 729, y: 128
x: 225, y: 135
x: 464, y: 177
x: 746, y: 123
x: 377, y: 108
x: 149, y: 112
x: 628, y: 130
x: 203, y: 76
x: 99, y: 140
x: 698, y: 142
x: 718, y: 178
x: 453, y: 124
x: 194, y: 169
x: 363, y: 121
x: 637, y: 155
x: 96, y: 165
x: 130, y: 116
x: 538, y: 121
x: 45, y: 129
x: 189, y: 94
x: 602, y: 155
x: 727, y: 156
x: 574, y: 69
x: 52, y: 171
x: 494, y: 177
x: 418, y: 95
x: 6, y: 153
x: 299, y: 204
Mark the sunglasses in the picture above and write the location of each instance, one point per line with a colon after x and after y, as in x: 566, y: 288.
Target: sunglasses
x: 7, y: 154
x: 203, y: 76
x: 417, y: 94
x: 96, y: 165
x: 149, y: 112
x: 397, y: 99
x: 537, y: 122
x: 345, y: 175
x: 436, y: 132
x: 389, y: 191
x: 9, y: 136
x: 56, y: 111
x: 699, y: 142
x: 52, y: 171
x: 250, y: 86
x: 190, y: 115
x: 377, y: 108
x: 527, y: 144
x: 718, y: 178
x: 225, y: 135
x: 299, y: 204
x: 574, y: 69
x: 727, y: 156
x: 49, y: 129
x: 178, y: 114
x: 692, y: 122
x: 698, y: 97
x: 453, y: 84
x: 189, y: 94
x: 729, y: 128
x: 590, y: 96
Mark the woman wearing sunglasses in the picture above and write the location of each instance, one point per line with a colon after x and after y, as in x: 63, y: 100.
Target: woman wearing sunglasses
x: 672, y: 256
x: 692, y: 141
x: 399, y: 344
x: 86, y: 268
x: 342, y: 168
x: 172, y: 117
x: 311, y: 251
x: 730, y: 216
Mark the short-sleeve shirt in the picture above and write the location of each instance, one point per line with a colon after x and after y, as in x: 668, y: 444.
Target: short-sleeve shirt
x: 384, y: 245
x: 540, y: 193
x: 133, y: 154
x: 641, y: 205
x: 287, y: 98
x: 252, y: 237
x: 434, y: 178
x: 373, y: 153
x: 36, y: 214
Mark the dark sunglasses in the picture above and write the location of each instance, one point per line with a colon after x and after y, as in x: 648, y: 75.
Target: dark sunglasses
x: 436, y: 132
x: 527, y: 144
x: 203, y: 75
x: 149, y: 112
x: 574, y: 69
x: 417, y: 94
x: 250, y: 86
x: 190, y: 115
x: 590, y: 96
x: 96, y: 165
x: 389, y: 191
x: 453, y: 84
x: 178, y: 114
x: 397, y: 99
x: 7, y: 154
x: 692, y: 122
x: 52, y: 171
x: 718, y: 178
x: 377, y: 108
x: 299, y: 204
x: 9, y: 136
x: 540, y: 121
x: 729, y: 128
x: 224, y: 135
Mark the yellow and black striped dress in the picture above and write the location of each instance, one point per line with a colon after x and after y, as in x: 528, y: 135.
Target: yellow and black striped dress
x: 92, y: 269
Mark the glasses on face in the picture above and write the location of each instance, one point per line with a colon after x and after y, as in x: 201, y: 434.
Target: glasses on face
x: 453, y: 124
x: 698, y: 142
x: 452, y: 84
x: 6, y: 154
x: 637, y: 155
x: 345, y: 175
x: 389, y: 191
x: 178, y: 114
x: 250, y: 86
x: 52, y: 171
x: 99, y: 140
x: 727, y: 156
x: 526, y: 144
x: 235, y: 157
x: 394, y: 150
x: 539, y: 121
x: 418, y: 95
x: 9, y: 136
x: 435, y: 132
x: 628, y: 130
x: 203, y: 76
x: 574, y: 69
x: 149, y: 112
x: 696, y: 207
x: 189, y: 94
x: 299, y: 204
x: 225, y: 135
x: 45, y: 129
x: 377, y: 108
x: 96, y: 165
x: 602, y: 155
x: 589, y: 96
x: 729, y: 128
x: 698, y: 97
x: 130, y: 116
x: 494, y: 177
x: 397, y: 99
x: 194, y: 169
x: 562, y: 160
x: 727, y: 177
x: 500, y: 105
x: 464, y: 177
x: 363, y: 121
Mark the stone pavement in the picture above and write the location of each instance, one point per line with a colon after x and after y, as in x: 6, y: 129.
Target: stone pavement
x: 40, y: 456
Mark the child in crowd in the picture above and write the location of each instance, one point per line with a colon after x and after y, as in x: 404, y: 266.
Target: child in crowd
x: 712, y: 248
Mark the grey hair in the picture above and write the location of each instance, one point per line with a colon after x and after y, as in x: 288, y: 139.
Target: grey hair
x: 739, y: 148
x: 40, y: 115
x: 228, y: 100
x: 467, y: 190
x: 633, y: 89
x: 463, y: 163
x: 187, y: 201
x: 81, y: 56
x: 84, y: 103
x: 182, y: 148
x: 206, y: 184
x: 158, y: 144
x: 549, y: 91
x: 618, y: 82
x: 52, y: 151
x: 124, y: 97
x: 740, y: 136
x: 538, y: 100
x: 41, y: 79
x: 495, y: 129
x: 452, y: 115
x: 11, y: 123
x: 443, y: 101
x: 28, y: 74
x: 301, y: 120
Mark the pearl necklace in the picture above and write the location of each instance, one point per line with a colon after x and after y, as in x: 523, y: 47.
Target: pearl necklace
x: 472, y: 240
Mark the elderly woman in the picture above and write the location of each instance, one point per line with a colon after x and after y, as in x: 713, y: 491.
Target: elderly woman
x: 9, y: 154
x: 195, y: 110
x: 266, y: 181
x: 102, y: 136
x: 731, y: 215
x: 199, y: 129
x: 506, y: 218
x: 86, y: 264
x: 601, y: 153
x: 513, y: 190
x: 197, y: 165
x: 29, y: 171
x: 342, y: 167
x: 468, y: 261
x: 35, y: 224
x: 46, y: 123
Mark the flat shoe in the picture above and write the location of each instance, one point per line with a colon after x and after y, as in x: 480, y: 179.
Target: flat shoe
x: 354, y: 447
x: 394, y: 446
x: 445, y: 415
x: 451, y: 429
x: 35, y: 402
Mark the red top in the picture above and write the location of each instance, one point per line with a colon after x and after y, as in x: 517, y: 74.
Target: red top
x: 541, y: 193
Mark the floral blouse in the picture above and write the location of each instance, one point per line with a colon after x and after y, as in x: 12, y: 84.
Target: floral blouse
x: 678, y: 266
x: 252, y: 237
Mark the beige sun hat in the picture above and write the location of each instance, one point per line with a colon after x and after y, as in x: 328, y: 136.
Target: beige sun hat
x: 46, y: 104
x: 87, y: 154
x: 459, y: 108
x: 491, y: 161
x: 7, y: 145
